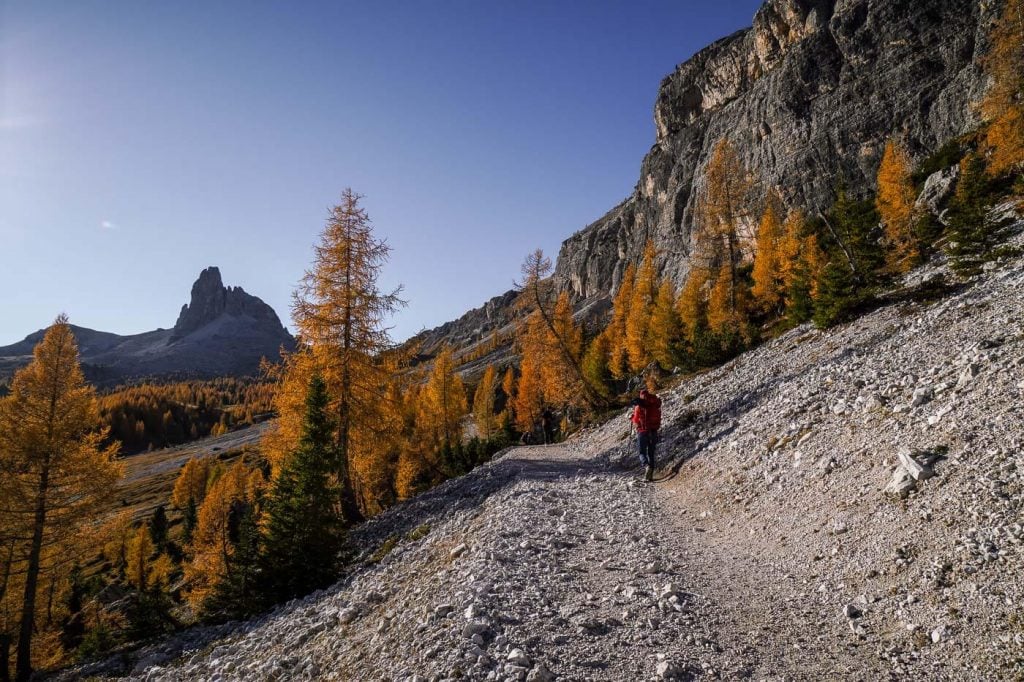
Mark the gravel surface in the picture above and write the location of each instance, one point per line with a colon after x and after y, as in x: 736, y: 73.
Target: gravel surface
x: 839, y: 505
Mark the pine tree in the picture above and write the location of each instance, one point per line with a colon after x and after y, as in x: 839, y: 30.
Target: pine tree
x: 303, y: 531
x: 189, y: 518
x: 158, y: 526
x: 340, y: 313
x: 51, y: 444
x: 666, y: 330
x: 483, y: 403
x: 618, y: 357
x: 638, y: 318
x: 974, y: 232
x: 239, y: 594
x: 895, y: 205
x: 855, y: 238
x: 838, y: 295
x: 1003, y: 105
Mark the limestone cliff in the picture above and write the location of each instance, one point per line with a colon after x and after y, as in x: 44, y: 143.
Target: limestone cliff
x: 809, y: 94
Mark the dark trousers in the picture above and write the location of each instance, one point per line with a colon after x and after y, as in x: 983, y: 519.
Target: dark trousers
x: 647, y: 441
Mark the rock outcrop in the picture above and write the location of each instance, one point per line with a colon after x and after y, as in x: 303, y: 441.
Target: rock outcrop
x: 222, y: 331
x: 211, y: 299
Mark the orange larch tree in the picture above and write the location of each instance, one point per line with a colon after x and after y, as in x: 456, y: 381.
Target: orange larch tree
x: 768, y: 268
x: 1003, y: 105
x: 57, y: 470
x: 666, y: 330
x: 211, y: 546
x: 340, y: 313
x: 191, y: 483
x: 559, y: 333
x: 638, y: 317
x: 442, y: 403
x: 618, y: 358
x: 722, y: 236
x: 483, y: 403
x: 895, y: 204
x: 692, y: 303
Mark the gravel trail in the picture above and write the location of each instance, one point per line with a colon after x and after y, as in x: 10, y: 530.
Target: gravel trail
x: 841, y: 505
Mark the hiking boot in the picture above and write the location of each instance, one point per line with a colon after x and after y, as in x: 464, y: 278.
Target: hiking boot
x: 649, y: 475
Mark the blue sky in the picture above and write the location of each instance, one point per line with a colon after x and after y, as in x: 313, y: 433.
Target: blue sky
x: 143, y: 141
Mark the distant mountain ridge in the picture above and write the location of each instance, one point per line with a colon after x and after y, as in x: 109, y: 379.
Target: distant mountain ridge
x: 222, y: 331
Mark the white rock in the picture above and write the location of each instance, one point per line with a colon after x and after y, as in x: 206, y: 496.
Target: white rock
x: 918, y: 471
x: 666, y: 670
x: 540, y: 673
x: 901, y: 484
x: 518, y: 657
x: 921, y: 396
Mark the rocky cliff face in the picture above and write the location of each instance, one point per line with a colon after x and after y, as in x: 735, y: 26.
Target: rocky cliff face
x: 809, y: 94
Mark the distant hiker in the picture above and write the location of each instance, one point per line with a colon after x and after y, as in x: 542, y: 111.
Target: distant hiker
x: 647, y: 419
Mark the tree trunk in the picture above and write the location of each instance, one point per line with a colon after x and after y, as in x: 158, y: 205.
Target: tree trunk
x: 5, y: 657
x: 28, y: 608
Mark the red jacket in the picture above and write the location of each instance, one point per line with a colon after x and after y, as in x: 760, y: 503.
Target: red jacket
x: 647, y: 413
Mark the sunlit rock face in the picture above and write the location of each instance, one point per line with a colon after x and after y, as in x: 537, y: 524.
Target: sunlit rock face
x: 807, y: 95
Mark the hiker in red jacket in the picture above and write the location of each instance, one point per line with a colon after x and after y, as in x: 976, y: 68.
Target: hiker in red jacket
x: 647, y: 418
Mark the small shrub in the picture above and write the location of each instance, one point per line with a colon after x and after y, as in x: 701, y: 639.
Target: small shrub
x: 384, y: 549
x: 418, y: 533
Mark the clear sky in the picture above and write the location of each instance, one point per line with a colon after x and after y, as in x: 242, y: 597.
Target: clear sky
x: 143, y: 141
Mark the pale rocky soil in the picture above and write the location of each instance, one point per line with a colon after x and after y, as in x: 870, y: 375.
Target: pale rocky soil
x: 767, y: 549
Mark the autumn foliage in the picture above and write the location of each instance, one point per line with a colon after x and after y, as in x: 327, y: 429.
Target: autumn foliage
x: 1003, y: 105
x: 895, y: 203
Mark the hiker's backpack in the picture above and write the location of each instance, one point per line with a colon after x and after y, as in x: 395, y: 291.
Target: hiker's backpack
x: 647, y: 415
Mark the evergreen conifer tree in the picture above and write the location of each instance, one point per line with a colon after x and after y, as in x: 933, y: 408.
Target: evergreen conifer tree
x: 837, y: 297
x: 189, y: 517
x: 158, y: 525
x: 973, y: 231
x: 303, y: 527
x: 239, y: 594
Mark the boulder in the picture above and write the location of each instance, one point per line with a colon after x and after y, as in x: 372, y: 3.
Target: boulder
x: 901, y: 483
x: 910, y: 464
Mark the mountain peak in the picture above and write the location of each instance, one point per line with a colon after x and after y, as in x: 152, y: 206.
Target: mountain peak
x: 211, y: 300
